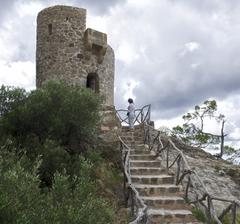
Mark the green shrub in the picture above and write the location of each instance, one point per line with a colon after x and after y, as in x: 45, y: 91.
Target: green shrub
x: 50, y: 169
x: 66, y: 114
x: 228, y: 219
x: 10, y: 98
x: 231, y: 172
x: 217, y: 168
x: 22, y: 201
x: 57, y: 122
x: 199, y: 214
x: 229, y: 150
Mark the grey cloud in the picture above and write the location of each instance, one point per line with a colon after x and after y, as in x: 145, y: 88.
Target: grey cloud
x: 171, y: 78
x: 5, y: 7
x: 172, y: 81
x: 98, y: 7
x: 23, y: 36
x: 206, y: 6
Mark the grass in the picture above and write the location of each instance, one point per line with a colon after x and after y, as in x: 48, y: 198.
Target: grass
x: 228, y: 219
x: 199, y: 214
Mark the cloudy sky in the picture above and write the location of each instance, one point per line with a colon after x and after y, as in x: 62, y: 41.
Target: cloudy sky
x: 173, y: 54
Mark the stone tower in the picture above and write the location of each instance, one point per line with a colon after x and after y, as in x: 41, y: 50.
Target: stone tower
x: 67, y: 51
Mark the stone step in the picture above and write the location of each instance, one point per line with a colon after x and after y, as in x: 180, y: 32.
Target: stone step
x: 127, y: 138
x: 136, y: 127
x: 129, y: 141
x: 165, y: 202
x: 135, y: 132
x: 139, y: 139
x: 141, y: 147
x: 147, y: 170
x: 145, y: 163
x: 159, y: 189
x: 152, y: 179
x: 142, y: 157
x: 139, y: 136
x: 133, y: 142
x: 128, y: 135
x: 162, y: 216
x: 141, y: 151
x: 138, y: 152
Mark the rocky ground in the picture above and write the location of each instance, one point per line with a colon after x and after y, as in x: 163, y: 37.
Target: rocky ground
x: 221, y: 178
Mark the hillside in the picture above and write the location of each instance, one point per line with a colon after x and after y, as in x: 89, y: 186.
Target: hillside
x: 221, y: 177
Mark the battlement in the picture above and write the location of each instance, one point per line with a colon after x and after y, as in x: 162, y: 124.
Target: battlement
x: 63, y: 9
x: 96, y: 43
x: 94, y: 37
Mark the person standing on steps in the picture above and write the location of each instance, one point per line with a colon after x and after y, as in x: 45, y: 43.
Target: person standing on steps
x: 131, y: 113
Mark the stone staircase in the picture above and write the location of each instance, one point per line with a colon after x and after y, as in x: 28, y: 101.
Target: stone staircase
x: 155, y: 185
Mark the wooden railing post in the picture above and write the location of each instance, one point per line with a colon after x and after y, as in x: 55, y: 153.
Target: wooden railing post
x: 209, y: 210
x: 132, y: 203
x: 124, y: 184
x: 142, y: 114
x: 167, y: 162
x: 187, y: 188
x: 234, y: 213
x: 178, y: 169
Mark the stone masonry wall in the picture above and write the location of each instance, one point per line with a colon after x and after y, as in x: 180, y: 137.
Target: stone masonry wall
x: 62, y: 55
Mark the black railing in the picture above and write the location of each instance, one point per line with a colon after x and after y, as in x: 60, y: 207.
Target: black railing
x: 141, y: 115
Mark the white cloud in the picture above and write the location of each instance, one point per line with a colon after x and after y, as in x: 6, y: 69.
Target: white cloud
x: 126, y: 53
x: 24, y: 9
x: 21, y: 74
x: 189, y: 48
x: 192, y: 46
x: 131, y: 84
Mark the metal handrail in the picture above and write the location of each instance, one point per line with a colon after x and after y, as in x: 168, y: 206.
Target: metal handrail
x: 141, y: 115
x: 186, y: 172
x: 141, y: 213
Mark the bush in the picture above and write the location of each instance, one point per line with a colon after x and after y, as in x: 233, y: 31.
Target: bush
x: 57, y: 122
x: 22, y: 201
x: 66, y: 114
x: 10, y: 97
x: 199, y: 214
x: 228, y: 219
x: 50, y: 169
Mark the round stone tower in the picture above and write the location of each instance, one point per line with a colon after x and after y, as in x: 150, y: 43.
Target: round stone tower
x: 67, y: 51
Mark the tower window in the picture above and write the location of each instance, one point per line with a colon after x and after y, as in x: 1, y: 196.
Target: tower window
x: 50, y: 29
x: 93, y: 82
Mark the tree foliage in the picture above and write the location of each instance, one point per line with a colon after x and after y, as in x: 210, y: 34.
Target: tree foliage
x: 49, y: 171
x: 193, y: 130
x: 56, y: 122
x: 10, y: 97
x: 66, y: 114
x: 22, y: 201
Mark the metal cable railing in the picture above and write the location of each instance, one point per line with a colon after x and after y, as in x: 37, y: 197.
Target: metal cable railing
x: 195, y: 190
